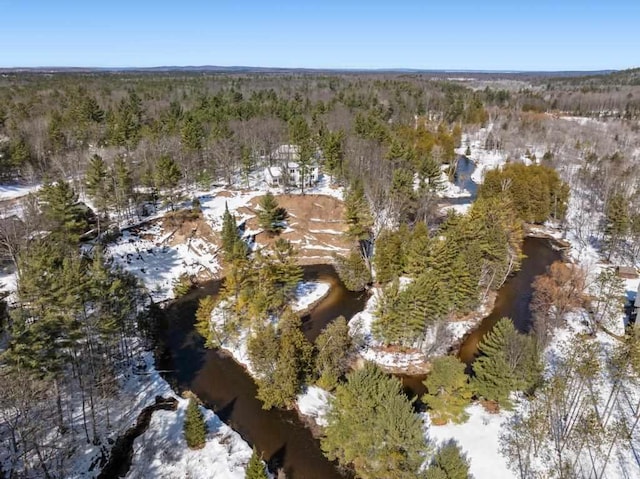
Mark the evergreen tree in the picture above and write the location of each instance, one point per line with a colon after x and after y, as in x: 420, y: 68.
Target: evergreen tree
x: 617, y: 222
x: 271, y: 216
x: 536, y: 191
x: 372, y: 426
x: 402, y: 194
x: 122, y: 184
x: 430, y: 174
x: 59, y: 204
x: 389, y: 256
x: 98, y: 185
x: 357, y: 213
x: 19, y: 152
x: 263, y: 347
x: 448, y: 391
x: 167, y: 177
x: 203, y: 317
x: 192, y: 134
x: 182, y: 285
x: 292, y: 367
x: 334, y: 347
x: 353, y: 271
x: 449, y: 463
x: 417, y: 250
x: 255, y: 468
x: 194, y: 429
x: 509, y: 361
x: 403, y: 315
x: 333, y: 150
x: 232, y: 245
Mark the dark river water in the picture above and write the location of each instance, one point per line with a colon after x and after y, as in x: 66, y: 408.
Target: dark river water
x: 515, y: 295
x: 224, y: 386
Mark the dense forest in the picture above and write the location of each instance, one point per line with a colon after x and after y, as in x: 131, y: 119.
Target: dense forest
x: 103, y: 153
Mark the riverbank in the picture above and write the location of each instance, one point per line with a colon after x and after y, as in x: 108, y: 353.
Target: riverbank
x: 282, y: 436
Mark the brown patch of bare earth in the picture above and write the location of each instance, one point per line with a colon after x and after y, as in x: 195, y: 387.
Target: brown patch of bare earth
x: 316, y: 226
x: 184, y: 225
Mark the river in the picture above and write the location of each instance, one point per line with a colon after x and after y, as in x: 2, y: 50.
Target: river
x: 515, y: 295
x: 224, y: 385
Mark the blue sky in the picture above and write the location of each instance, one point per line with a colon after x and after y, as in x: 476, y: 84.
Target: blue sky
x: 492, y: 35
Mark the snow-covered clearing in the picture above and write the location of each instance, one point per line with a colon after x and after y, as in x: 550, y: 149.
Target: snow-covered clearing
x: 157, y: 264
x: 151, y: 252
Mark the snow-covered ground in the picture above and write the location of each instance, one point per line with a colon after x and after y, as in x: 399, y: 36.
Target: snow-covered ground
x: 162, y: 452
x: 14, y: 191
x: 158, y: 264
x: 314, y: 403
x: 479, y: 438
x: 308, y: 293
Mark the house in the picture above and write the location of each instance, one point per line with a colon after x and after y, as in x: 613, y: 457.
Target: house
x: 287, y: 171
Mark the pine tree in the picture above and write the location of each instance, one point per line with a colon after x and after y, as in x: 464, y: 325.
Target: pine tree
x: 292, y: 367
x: 333, y: 150
x: 449, y: 463
x: 271, y: 216
x: 509, y: 361
x: 353, y: 271
x: 192, y: 134
x: 203, y: 317
x: 232, y: 245
x: 98, y: 185
x: 617, y: 222
x: 389, y: 257
x: 430, y: 174
x: 59, y: 204
x: 194, y: 429
x: 122, y: 184
x: 372, y: 426
x: 334, y: 347
x: 167, y: 177
x: 255, y: 468
x: 417, y: 251
x: 448, y: 390
x: 357, y: 213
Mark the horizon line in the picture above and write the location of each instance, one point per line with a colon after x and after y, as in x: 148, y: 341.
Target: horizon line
x: 338, y: 69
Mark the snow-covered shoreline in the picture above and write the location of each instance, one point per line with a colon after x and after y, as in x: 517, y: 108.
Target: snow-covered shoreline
x: 161, y: 451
